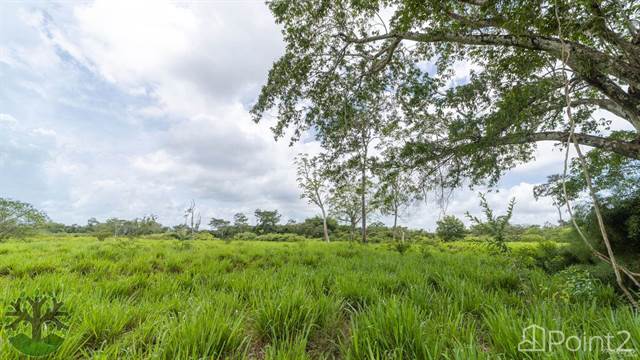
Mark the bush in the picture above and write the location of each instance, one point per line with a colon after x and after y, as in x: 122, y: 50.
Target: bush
x: 450, y: 228
x: 245, y: 236
x: 281, y: 237
x: 400, y: 246
x: 102, y: 235
x: 477, y: 239
x: 577, y: 284
x: 531, y: 238
x: 204, y: 236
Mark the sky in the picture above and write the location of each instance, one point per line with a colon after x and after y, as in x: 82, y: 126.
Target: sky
x: 124, y: 109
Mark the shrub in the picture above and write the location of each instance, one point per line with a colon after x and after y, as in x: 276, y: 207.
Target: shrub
x: 102, y: 235
x: 400, y: 246
x: 245, y: 236
x: 577, y: 284
x: 450, y: 228
x: 204, y: 236
x: 496, y: 226
x: 281, y: 237
x: 531, y: 238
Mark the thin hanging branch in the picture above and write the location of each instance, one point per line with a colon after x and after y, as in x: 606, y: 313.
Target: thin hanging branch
x: 617, y: 269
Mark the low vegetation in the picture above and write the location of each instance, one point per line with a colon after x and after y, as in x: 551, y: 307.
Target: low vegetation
x: 169, y: 299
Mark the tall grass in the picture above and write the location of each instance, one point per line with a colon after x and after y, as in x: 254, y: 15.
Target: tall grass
x: 161, y: 299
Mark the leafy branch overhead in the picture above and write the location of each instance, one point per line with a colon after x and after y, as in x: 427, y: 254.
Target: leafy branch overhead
x: 406, y: 51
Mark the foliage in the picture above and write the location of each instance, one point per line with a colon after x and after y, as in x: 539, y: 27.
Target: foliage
x: 622, y: 221
x: 346, y: 205
x: 18, y: 219
x: 394, y: 193
x: 450, y: 228
x: 240, y: 219
x: 245, y: 236
x: 280, y: 237
x: 314, y: 182
x: 343, y: 59
x: 495, y: 225
x: 102, y: 235
x: 577, y: 285
x: 401, y: 246
x: 266, y: 220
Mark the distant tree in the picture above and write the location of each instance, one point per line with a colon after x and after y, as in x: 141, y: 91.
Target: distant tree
x: 352, y: 137
x: 496, y: 225
x: 313, y: 227
x: 18, y: 218
x: 181, y: 232
x: 267, y: 221
x: 91, y: 224
x: 314, y: 183
x: 148, y: 225
x: 394, y: 193
x: 115, y: 225
x: 450, y: 228
x: 220, y: 227
x: 346, y: 204
x: 240, y: 219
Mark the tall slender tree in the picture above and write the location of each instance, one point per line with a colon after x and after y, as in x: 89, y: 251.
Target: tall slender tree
x: 314, y: 182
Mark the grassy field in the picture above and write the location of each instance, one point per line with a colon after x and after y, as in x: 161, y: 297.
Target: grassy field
x: 166, y: 299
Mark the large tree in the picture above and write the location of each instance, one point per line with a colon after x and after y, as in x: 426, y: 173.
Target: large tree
x: 511, y: 101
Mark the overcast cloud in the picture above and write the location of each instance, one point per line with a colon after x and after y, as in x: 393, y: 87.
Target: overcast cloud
x: 123, y: 109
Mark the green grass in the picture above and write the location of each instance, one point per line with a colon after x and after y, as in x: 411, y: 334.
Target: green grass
x: 166, y: 299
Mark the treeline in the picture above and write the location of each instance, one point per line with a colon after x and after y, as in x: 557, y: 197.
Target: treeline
x: 115, y: 227
x: 268, y: 226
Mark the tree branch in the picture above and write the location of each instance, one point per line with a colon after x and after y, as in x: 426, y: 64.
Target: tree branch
x: 628, y: 149
x: 592, y: 65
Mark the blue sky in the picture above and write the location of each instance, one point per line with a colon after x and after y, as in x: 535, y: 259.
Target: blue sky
x: 126, y: 109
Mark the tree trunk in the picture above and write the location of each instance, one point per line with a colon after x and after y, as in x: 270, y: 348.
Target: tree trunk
x: 363, y: 201
x: 395, y: 222
x: 353, y: 230
x: 560, y: 215
x: 324, y: 225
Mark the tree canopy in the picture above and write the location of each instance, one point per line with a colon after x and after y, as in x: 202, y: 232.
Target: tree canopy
x: 17, y: 218
x: 343, y: 55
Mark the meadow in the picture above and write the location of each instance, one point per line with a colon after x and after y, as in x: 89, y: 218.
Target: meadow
x: 170, y: 299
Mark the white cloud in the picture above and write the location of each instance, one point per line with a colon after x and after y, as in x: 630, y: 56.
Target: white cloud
x: 8, y: 120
